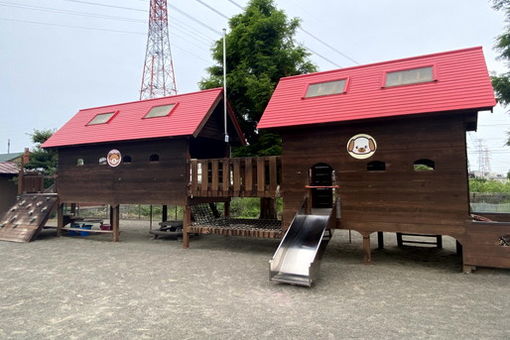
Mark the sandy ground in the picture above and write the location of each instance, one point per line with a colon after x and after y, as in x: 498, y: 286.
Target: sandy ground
x: 86, y: 288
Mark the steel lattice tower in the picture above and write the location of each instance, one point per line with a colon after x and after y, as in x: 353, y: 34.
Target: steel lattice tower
x: 158, y: 78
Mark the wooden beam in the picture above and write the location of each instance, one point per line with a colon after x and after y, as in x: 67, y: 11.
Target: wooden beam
x: 366, y: 249
x: 226, y: 176
x: 164, y: 213
x: 186, y: 225
x: 215, y: 177
x: 261, y: 175
x: 60, y: 218
x: 116, y: 222
x: 248, y: 175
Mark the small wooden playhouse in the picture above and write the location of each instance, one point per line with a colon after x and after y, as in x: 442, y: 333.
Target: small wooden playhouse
x: 389, y: 140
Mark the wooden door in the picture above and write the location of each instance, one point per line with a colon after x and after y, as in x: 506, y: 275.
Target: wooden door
x: 322, y: 175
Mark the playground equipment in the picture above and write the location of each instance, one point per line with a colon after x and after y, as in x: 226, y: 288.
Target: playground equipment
x: 297, y: 258
x: 24, y: 221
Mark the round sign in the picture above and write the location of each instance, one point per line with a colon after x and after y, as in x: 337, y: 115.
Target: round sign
x: 361, y: 146
x: 114, y: 158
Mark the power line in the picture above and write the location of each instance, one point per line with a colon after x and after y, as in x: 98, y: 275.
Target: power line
x: 328, y: 45
x: 213, y: 9
x: 226, y: 17
x: 99, y: 16
x: 145, y: 11
x: 194, y: 19
x: 72, y: 26
x: 314, y: 37
x: 96, y: 29
x: 105, y: 5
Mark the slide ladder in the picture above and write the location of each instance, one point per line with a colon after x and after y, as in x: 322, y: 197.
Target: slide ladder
x: 297, y: 258
x: 27, y: 217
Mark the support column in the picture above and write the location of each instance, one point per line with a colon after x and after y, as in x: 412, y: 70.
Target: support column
x: 380, y: 240
x: 186, y: 222
x: 164, y: 213
x: 114, y: 217
x: 60, y: 218
x: 226, y: 209
x: 366, y: 249
x: 73, y: 209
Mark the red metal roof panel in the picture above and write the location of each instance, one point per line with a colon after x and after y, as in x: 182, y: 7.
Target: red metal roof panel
x: 128, y: 122
x: 462, y: 82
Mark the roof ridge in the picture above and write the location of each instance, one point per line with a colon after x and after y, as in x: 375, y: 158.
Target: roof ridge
x: 151, y: 99
x: 383, y: 62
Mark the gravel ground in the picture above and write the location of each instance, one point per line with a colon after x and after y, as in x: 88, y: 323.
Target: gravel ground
x: 86, y: 288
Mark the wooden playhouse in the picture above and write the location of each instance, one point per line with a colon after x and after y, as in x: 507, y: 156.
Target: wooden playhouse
x: 374, y: 148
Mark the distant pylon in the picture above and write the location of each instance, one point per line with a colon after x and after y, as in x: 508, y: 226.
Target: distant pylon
x: 158, y: 79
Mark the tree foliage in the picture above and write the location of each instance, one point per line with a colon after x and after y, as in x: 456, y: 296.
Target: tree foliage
x: 260, y: 50
x: 42, y: 160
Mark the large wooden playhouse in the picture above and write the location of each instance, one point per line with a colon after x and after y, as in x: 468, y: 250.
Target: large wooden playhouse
x: 373, y: 148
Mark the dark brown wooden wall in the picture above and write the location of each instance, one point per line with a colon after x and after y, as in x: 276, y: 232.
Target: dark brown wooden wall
x: 8, y: 192
x: 399, y: 198
x: 138, y: 182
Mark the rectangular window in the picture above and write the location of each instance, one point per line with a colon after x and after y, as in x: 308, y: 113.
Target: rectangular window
x: 159, y: 111
x: 412, y: 76
x: 101, y: 118
x: 326, y: 88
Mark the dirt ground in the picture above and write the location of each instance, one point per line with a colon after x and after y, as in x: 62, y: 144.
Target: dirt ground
x: 88, y: 287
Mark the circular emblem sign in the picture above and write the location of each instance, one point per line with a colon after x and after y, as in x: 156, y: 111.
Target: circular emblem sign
x: 361, y: 146
x: 114, y: 158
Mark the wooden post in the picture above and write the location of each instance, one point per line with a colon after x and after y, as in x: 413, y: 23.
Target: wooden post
x: 186, y: 222
x: 366, y: 249
x: 226, y: 208
x: 111, y: 217
x: 60, y: 218
x: 25, y: 158
x: 380, y: 240
x: 115, y: 223
x: 164, y: 213
x: 73, y: 209
x: 400, y: 243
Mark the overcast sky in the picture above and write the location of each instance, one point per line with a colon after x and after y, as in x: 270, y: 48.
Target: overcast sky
x: 58, y: 56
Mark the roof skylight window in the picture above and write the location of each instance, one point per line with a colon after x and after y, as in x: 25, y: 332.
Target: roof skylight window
x: 326, y: 88
x: 159, y: 111
x: 410, y: 76
x: 101, y: 118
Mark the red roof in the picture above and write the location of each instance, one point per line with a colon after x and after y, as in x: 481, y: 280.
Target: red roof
x: 8, y: 168
x: 461, y: 82
x: 186, y: 118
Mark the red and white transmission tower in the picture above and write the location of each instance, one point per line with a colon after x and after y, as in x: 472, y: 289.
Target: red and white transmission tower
x: 158, y: 78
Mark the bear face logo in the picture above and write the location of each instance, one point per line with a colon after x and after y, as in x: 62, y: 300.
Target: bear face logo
x: 114, y: 158
x: 361, y: 146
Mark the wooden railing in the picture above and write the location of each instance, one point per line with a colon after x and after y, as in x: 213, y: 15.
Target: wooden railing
x: 235, y: 177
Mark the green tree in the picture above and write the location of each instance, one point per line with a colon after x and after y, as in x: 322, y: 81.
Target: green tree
x: 42, y: 160
x: 501, y: 82
x: 260, y: 50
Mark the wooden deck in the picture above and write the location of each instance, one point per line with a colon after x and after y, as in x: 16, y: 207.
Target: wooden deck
x: 235, y: 177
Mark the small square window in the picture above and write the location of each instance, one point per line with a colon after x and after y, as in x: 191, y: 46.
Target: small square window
x: 101, y: 118
x: 326, y: 88
x: 159, y: 111
x: 411, y: 76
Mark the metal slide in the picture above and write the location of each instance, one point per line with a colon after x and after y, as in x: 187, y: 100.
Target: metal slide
x: 297, y: 259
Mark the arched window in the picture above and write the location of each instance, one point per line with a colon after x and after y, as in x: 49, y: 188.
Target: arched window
x: 102, y: 160
x: 126, y: 159
x: 154, y: 157
x: 424, y: 165
x: 80, y: 162
x: 376, y: 166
